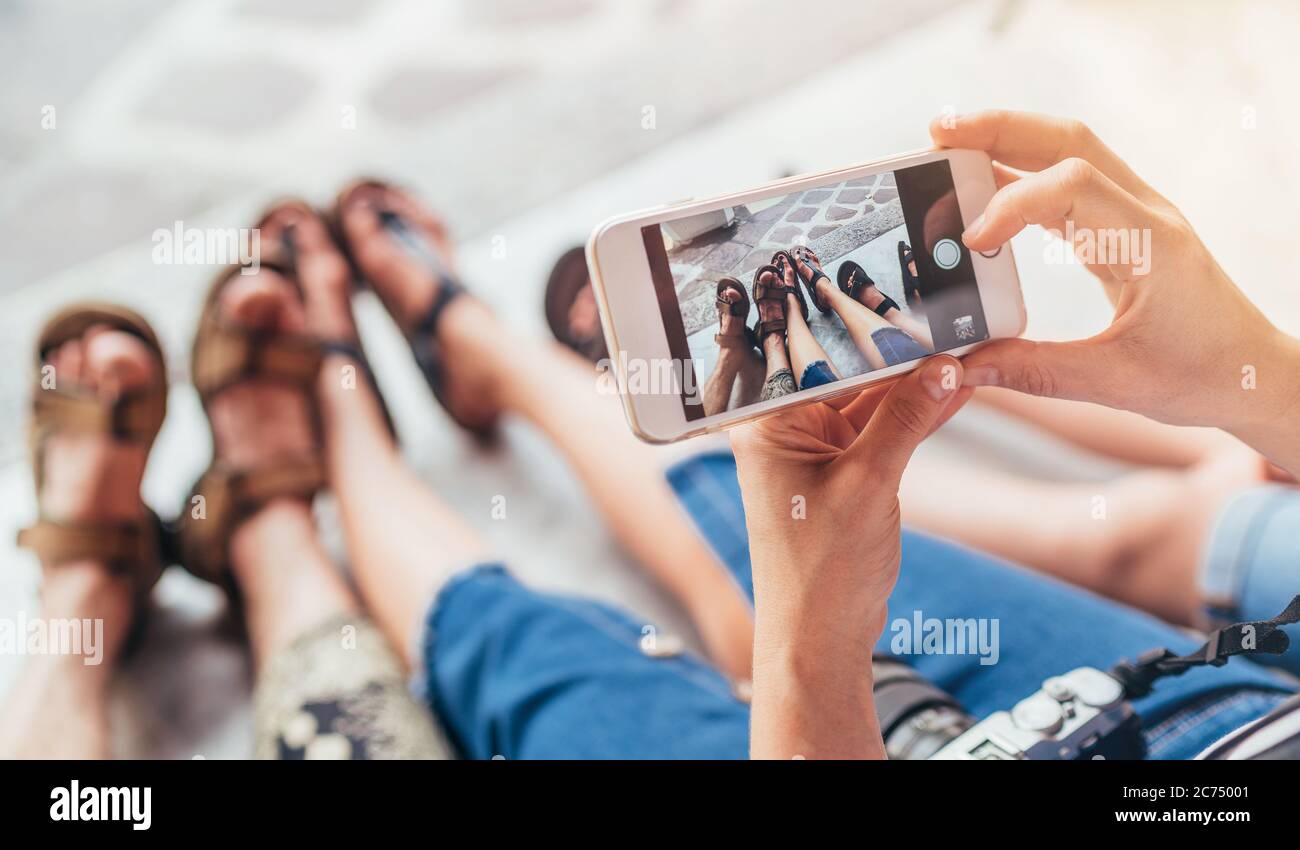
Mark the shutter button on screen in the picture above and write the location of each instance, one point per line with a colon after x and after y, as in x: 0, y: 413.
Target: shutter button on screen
x: 947, y: 254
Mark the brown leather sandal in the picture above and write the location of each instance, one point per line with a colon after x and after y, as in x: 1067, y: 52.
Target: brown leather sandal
x: 283, y: 254
x: 740, y: 308
x: 769, y: 292
x: 136, y: 549
x: 226, y: 354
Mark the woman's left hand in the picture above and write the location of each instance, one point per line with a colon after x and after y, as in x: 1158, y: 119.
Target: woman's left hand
x: 820, y: 486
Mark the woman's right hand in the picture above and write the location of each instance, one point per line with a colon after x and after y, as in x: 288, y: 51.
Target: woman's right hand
x: 1185, y: 346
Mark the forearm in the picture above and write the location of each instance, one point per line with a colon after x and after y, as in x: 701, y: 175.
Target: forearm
x: 810, y: 704
x: 812, y: 666
x: 1270, y: 423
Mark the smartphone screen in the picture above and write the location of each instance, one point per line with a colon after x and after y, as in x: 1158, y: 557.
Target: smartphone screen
x: 898, y: 285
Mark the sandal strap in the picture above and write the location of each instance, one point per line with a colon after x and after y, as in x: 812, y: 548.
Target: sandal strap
x: 129, y: 548
x: 230, y: 496
x: 132, y: 417
x: 229, y: 354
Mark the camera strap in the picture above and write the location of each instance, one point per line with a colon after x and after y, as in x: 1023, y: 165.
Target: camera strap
x: 1249, y: 638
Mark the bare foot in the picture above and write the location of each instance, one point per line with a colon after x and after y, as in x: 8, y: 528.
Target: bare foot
x: 407, y: 288
x: 93, y: 478
x: 259, y: 423
x: 770, y: 310
x: 729, y: 324
x: 1163, y: 519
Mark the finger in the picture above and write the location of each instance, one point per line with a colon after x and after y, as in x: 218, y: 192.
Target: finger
x: 860, y: 407
x: 910, y: 411
x: 1111, y: 228
x: 1083, y: 371
x: 1004, y: 175
x: 1032, y: 142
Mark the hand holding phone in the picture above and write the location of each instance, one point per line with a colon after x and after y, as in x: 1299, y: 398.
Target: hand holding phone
x: 1186, y: 346
x: 722, y: 311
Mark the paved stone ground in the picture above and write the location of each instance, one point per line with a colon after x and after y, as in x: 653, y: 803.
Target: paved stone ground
x: 832, y: 221
x: 1186, y: 71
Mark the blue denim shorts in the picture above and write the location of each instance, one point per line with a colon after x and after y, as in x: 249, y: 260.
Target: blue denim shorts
x: 816, y: 374
x: 1251, y: 567
x: 515, y: 673
x: 897, y: 346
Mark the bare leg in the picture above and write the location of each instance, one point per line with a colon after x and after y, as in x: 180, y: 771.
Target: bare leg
x: 731, y: 357
x: 1125, y: 436
x: 57, y: 706
x: 858, y: 320
x: 804, y: 347
x: 553, y: 389
x: 1137, y: 539
x: 918, y: 329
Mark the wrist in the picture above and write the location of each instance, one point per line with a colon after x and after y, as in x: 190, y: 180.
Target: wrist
x: 1269, y: 420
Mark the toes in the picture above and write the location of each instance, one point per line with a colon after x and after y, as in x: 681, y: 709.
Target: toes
x: 412, y: 210
x: 115, y: 361
x: 67, y: 362
x: 309, y: 232
x: 263, y: 301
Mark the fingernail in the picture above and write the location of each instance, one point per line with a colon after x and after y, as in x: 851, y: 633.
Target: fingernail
x: 984, y: 375
x: 974, y: 230
x: 940, y: 379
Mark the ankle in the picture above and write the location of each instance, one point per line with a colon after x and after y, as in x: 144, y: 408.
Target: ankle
x: 472, y: 337
x: 88, y: 593
x: 273, y: 538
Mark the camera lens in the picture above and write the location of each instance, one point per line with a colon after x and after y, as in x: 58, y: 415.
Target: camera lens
x: 916, y: 718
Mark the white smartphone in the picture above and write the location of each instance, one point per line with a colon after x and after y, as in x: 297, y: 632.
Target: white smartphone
x: 673, y: 281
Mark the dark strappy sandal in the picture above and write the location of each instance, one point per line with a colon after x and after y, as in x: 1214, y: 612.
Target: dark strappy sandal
x: 283, y: 254
x: 769, y: 292
x: 803, y: 252
x: 226, y: 354
x: 782, y: 258
x: 422, y: 338
x: 568, y: 278
x: 852, y: 279
x: 735, y: 308
x: 137, y: 549
x: 911, y: 284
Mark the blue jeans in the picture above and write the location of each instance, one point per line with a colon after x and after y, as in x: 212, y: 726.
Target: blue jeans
x: 521, y: 674
x: 816, y: 374
x: 1252, y: 563
x: 897, y: 346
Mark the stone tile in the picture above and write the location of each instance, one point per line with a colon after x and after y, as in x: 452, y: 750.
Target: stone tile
x: 884, y: 196
x: 786, y: 234
x: 816, y: 196
x: 851, y: 196
x: 801, y: 215
x: 863, y: 182
x: 820, y: 231
x: 845, y: 238
x: 726, y: 257
x: 310, y: 12
x: 411, y: 95
x: 218, y: 96
x: 749, y: 232
x: 772, y: 213
x: 840, y: 213
x: 757, y: 257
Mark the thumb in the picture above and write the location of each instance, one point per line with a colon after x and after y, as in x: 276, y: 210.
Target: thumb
x: 1072, y: 370
x: 914, y: 406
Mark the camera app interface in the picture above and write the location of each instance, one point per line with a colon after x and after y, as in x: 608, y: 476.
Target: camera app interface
x: 797, y: 291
